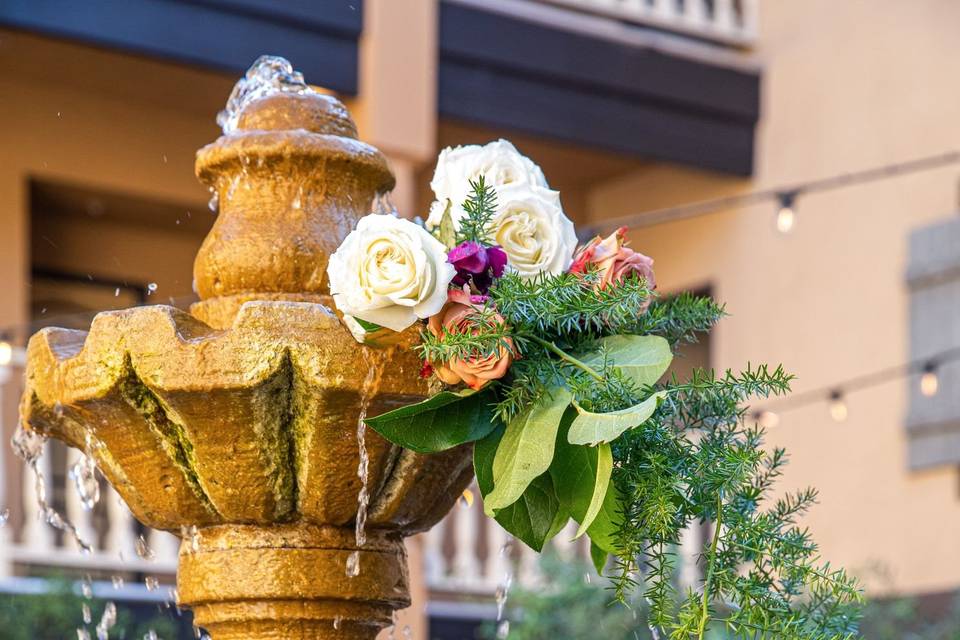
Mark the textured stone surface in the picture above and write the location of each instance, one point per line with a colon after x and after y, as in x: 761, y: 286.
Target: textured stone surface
x: 241, y: 417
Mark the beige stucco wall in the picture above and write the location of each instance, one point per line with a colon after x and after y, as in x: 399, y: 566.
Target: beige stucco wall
x: 846, y: 86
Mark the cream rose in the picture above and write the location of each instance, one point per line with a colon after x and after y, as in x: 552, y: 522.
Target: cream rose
x: 532, y: 230
x: 498, y: 162
x: 390, y: 272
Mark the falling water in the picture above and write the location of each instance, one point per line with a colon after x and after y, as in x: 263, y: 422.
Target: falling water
x: 28, y: 446
x: 107, y: 620
x: 151, y: 583
x: 367, y: 390
x: 86, y: 613
x: 503, y: 590
x: 83, y: 634
x: 383, y: 204
x: 214, y: 203
x: 150, y: 635
x: 144, y: 552
x: 84, y: 476
x: 267, y: 76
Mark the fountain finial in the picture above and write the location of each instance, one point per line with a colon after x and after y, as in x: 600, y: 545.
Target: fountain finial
x: 291, y: 180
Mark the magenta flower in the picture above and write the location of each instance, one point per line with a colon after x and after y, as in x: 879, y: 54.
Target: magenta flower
x: 477, y: 264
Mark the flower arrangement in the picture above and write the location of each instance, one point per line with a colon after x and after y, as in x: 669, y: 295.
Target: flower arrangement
x: 551, y: 359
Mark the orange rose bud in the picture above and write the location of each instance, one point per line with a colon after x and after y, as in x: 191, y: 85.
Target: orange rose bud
x: 454, y: 317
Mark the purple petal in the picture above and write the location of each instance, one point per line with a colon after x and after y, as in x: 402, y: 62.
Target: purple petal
x: 497, y: 258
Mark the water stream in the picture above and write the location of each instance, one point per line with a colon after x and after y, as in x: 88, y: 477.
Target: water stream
x: 267, y: 76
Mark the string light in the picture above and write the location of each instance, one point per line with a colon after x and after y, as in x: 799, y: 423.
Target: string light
x: 929, y: 381
x: 838, y: 406
x: 6, y: 350
x: 786, y: 214
x: 706, y: 207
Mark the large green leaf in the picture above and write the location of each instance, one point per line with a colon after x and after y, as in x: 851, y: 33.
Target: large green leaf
x: 536, y: 517
x: 526, y: 450
x: 642, y: 358
x: 595, y: 428
x: 599, y: 558
x: 603, y: 531
x: 444, y: 421
x: 581, y: 475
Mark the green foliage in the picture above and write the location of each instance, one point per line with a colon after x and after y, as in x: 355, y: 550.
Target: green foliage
x: 696, y: 460
x: 480, y: 207
x: 56, y: 615
x: 443, y: 421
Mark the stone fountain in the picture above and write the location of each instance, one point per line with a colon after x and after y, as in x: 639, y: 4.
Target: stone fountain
x: 238, y: 426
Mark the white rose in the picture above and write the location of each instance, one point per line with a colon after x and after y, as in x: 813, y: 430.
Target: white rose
x: 533, y: 231
x: 499, y: 163
x: 390, y: 272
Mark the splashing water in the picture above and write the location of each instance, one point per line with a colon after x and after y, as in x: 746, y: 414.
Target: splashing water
x: 383, y: 204
x: 86, y: 587
x: 367, y: 390
x: 214, y: 203
x: 84, y: 476
x: 4, y: 517
x: 269, y: 75
x: 150, y: 635
x: 336, y: 622
x: 151, y: 583
x: 86, y: 614
x: 191, y: 535
x: 117, y: 582
x: 407, y: 632
x: 503, y: 629
x: 144, y: 552
x: 28, y: 446
x: 82, y: 634
x: 107, y: 621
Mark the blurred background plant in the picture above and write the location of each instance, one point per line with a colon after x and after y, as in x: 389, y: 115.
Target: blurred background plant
x: 573, y: 603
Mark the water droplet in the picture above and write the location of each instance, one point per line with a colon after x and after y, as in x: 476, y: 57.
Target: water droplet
x: 152, y: 583
x: 214, y: 203
x: 82, y: 634
x: 191, y: 535
x: 337, y: 621
x: 107, y: 621
x: 86, y: 587
x: 164, y: 157
x: 353, y: 564
x: 407, y: 632
x: 150, y: 635
x: 297, y: 199
x: 151, y: 288
x: 267, y: 76
x: 85, y: 611
x: 117, y: 582
x: 143, y: 550
x: 503, y: 629
x: 84, y: 476
x: 4, y: 517
x: 116, y: 292
x: 466, y: 499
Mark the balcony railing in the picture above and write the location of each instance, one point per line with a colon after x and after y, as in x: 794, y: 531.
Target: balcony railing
x: 728, y: 22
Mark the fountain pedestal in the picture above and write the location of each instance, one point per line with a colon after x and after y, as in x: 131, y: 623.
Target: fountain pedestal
x: 236, y: 426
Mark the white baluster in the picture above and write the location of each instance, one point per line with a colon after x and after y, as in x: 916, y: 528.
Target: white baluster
x: 120, y: 537
x: 36, y: 533
x: 749, y: 18
x: 498, y: 559
x: 689, y: 553
x: 165, y: 546
x: 725, y: 17
x: 529, y: 566
x: 564, y: 542
x: 77, y: 515
x: 466, y: 566
x: 664, y: 10
x: 435, y: 564
x: 633, y: 9
x: 695, y: 13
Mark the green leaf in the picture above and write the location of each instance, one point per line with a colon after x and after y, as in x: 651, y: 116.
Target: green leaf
x: 604, y: 530
x: 594, y: 428
x: 536, y: 517
x: 599, y: 558
x: 443, y: 421
x: 581, y: 475
x: 600, y: 484
x: 367, y: 326
x: 446, y: 233
x: 644, y: 359
x: 526, y: 450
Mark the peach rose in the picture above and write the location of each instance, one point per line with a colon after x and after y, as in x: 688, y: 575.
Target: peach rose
x: 613, y: 259
x: 455, y: 318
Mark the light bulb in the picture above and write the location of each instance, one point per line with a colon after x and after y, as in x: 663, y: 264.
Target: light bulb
x: 929, y: 381
x: 767, y: 419
x: 6, y: 353
x: 838, y: 407
x: 786, y: 216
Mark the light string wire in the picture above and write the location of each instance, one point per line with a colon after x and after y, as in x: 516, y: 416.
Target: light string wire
x: 839, y: 390
x: 790, y: 193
